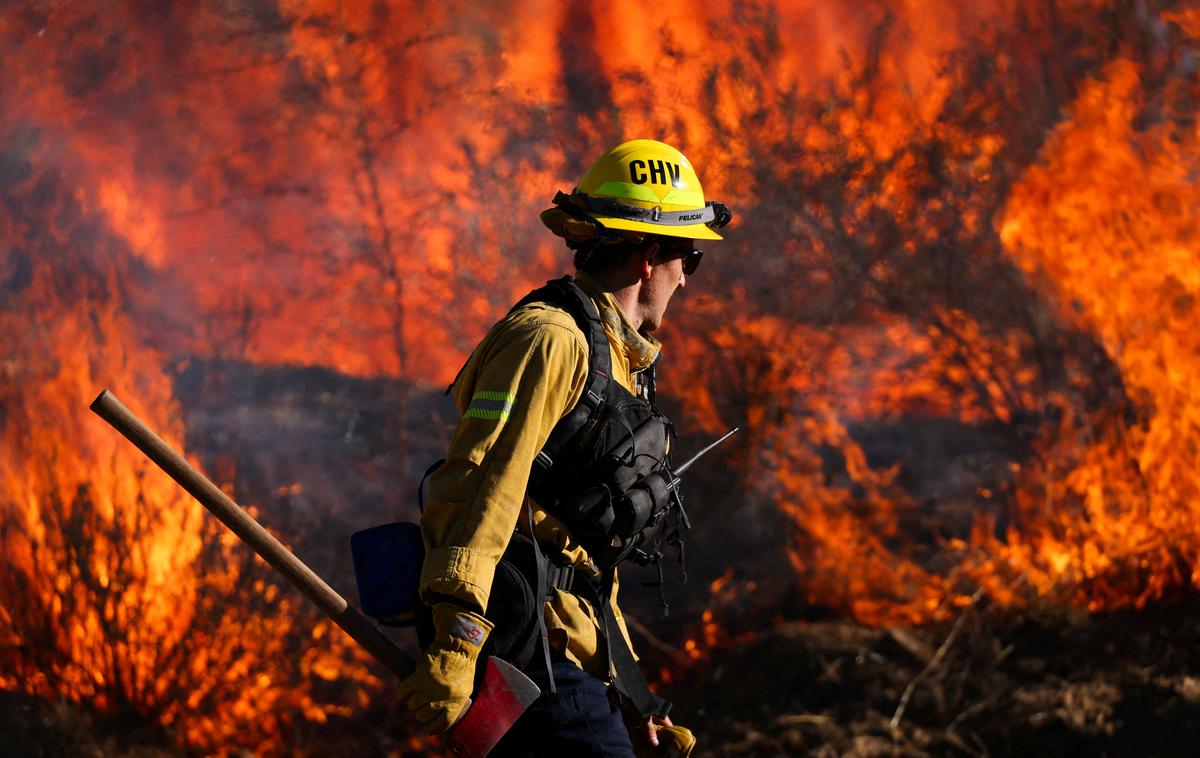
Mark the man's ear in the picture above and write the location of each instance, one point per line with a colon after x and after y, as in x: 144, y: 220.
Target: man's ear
x: 647, y: 259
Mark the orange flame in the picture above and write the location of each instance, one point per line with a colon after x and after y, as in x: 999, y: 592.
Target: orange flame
x: 1118, y: 253
x: 118, y: 590
x: 354, y: 186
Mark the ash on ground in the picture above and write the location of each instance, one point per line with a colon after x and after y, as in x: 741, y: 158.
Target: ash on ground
x: 1006, y: 683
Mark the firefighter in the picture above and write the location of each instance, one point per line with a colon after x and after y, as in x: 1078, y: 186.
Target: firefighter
x: 546, y: 383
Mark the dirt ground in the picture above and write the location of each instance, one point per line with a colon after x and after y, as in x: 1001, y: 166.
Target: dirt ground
x: 993, y: 683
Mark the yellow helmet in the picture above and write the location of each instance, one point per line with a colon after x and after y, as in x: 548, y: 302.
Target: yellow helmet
x: 640, y: 186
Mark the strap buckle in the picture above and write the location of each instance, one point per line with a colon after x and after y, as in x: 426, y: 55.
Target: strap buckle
x: 561, y: 577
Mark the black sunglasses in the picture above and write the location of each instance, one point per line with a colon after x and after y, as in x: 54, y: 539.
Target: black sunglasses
x: 691, y: 257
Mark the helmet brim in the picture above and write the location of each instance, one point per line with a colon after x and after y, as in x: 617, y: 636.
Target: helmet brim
x: 688, y: 231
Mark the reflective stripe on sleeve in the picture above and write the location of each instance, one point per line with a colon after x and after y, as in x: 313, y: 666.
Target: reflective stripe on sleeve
x: 491, y: 406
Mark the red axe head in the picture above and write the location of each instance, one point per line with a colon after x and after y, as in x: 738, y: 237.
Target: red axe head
x: 502, y: 697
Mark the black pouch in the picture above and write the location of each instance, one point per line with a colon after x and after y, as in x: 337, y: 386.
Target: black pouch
x: 515, y: 605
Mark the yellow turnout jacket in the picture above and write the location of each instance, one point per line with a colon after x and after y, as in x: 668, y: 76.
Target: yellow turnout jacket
x: 525, y: 375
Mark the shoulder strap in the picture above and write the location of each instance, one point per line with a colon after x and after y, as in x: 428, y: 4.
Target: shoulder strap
x: 566, y: 294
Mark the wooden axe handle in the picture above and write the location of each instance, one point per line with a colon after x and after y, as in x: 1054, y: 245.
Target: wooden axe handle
x: 241, y: 523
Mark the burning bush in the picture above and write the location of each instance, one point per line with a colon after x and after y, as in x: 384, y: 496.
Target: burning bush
x: 118, y: 591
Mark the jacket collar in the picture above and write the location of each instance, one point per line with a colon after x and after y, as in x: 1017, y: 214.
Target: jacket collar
x: 640, y: 350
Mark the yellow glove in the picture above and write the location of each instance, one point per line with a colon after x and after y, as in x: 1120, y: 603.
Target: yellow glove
x: 674, y: 741
x: 438, y: 691
x: 670, y: 740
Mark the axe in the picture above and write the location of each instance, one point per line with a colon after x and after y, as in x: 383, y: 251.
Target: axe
x: 504, y: 693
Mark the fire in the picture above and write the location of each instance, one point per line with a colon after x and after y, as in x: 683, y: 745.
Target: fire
x: 119, y: 591
x: 953, y: 315
x: 1119, y: 254
x: 726, y: 592
x: 1096, y: 511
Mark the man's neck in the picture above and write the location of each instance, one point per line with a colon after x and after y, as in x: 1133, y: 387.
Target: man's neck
x: 626, y: 293
x: 640, y: 350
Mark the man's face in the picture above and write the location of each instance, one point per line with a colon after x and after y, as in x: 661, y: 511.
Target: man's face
x: 666, y: 276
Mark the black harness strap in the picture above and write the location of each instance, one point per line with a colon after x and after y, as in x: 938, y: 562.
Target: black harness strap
x: 543, y: 583
x: 421, y: 485
x: 566, y: 294
x: 626, y: 676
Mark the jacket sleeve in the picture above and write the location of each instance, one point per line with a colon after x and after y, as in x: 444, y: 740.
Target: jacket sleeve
x: 512, y: 393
